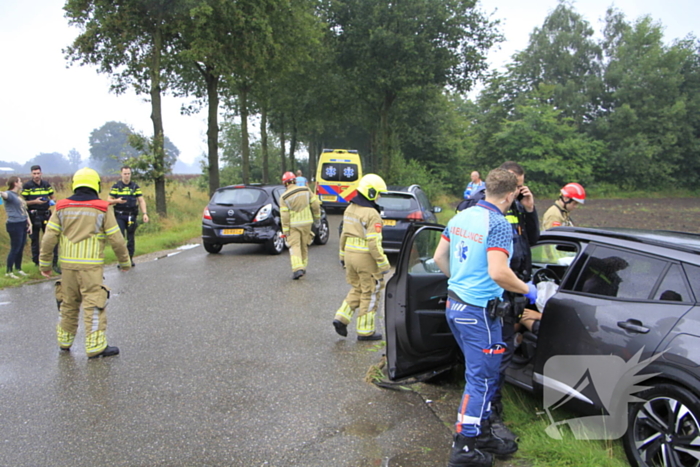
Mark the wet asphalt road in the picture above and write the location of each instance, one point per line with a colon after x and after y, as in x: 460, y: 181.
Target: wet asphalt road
x: 225, y: 362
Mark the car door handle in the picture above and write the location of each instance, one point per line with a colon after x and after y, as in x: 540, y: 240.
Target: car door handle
x: 633, y: 325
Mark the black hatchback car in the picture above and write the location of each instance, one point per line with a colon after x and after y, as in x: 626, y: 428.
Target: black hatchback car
x: 249, y: 214
x: 624, y: 311
x: 401, y: 207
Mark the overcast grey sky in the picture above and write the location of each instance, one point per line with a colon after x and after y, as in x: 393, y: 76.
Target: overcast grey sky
x: 52, y: 108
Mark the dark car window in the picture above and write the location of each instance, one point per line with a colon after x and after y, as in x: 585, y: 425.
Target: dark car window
x: 395, y: 204
x: 618, y: 273
x: 423, y: 199
x: 673, y: 287
x: 420, y: 260
x: 693, y: 273
x: 239, y: 196
x: 339, y: 172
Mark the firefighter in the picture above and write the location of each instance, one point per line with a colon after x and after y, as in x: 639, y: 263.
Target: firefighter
x: 559, y: 215
x: 363, y: 258
x: 127, y: 197
x: 299, y: 208
x: 81, y: 224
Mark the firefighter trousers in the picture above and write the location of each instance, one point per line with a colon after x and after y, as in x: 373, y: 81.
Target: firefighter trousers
x: 82, y: 287
x: 362, y: 273
x: 298, y: 239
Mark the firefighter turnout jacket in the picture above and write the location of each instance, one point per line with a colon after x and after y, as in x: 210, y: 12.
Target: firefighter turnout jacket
x: 556, y: 216
x: 362, y: 233
x: 299, y: 207
x: 82, y: 226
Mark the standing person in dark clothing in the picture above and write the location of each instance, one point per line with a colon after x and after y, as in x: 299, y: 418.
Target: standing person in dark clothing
x: 525, y: 225
x: 18, y: 225
x: 127, y: 197
x: 38, y: 193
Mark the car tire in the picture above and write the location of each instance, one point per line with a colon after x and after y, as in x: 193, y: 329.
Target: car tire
x: 212, y: 248
x: 275, y: 245
x: 663, y: 426
x: 324, y: 231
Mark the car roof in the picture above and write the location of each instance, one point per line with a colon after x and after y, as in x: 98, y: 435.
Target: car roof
x: 402, y: 189
x: 682, y: 241
x: 250, y: 185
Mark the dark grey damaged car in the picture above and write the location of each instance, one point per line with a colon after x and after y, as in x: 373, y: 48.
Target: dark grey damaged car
x: 619, y: 296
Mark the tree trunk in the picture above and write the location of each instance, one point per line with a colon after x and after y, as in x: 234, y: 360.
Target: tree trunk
x: 263, y: 143
x: 245, y: 148
x: 292, y: 148
x: 157, y: 119
x: 282, y: 145
x: 212, y: 81
x: 312, y: 161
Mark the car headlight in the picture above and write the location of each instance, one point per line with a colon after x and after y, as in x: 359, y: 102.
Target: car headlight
x: 263, y: 213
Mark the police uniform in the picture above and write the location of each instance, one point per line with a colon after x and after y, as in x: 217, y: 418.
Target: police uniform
x: 38, y: 213
x: 299, y: 208
x: 365, y: 264
x: 556, y: 216
x: 82, y: 224
x: 128, y: 212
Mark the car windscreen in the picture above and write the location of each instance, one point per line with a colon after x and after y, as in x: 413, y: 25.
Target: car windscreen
x: 239, y: 196
x: 397, y: 205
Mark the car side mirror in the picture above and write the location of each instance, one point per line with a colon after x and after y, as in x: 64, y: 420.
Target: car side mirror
x: 437, y: 209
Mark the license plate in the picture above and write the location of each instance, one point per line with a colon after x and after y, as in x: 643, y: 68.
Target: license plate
x: 331, y: 199
x: 389, y: 222
x: 232, y: 231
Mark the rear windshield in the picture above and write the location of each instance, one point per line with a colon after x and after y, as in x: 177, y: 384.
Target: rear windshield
x: 395, y: 203
x: 339, y: 172
x: 237, y: 196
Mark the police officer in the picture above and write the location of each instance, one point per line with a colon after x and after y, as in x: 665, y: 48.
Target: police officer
x: 127, y: 197
x: 559, y: 214
x: 363, y: 258
x: 473, y: 253
x: 39, y: 196
x: 299, y: 208
x: 82, y: 223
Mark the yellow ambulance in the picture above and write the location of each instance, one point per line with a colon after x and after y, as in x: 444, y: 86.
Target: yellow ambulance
x: 338, y: 174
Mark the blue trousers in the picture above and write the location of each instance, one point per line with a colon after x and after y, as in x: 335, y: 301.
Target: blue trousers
x: 17, y: 232
x: 480, y: 339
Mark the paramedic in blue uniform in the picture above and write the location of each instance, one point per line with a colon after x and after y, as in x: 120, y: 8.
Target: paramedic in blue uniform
x: 474, y: 253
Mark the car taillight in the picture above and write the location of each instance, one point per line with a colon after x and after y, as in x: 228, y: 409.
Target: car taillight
x: 206, y: 214
x: 415, y: 216
x: 263, y: 213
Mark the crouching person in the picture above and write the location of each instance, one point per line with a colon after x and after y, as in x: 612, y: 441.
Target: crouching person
x: 81, y: 224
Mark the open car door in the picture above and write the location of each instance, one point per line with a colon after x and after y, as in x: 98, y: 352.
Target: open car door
x: 418, y: 339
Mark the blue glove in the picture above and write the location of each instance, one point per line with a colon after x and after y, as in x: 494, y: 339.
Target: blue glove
x: 52, y: 203
x: 531, y: 293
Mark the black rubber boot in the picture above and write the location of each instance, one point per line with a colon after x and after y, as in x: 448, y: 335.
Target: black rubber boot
x: 107, y: 352
x: 340, y: 328
x: 489, y: 441
x: 466, y: 454
x: 297, y: 274
x: 372, y: 337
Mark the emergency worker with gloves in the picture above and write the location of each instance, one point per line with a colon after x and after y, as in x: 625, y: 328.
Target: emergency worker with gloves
x: 363, y: 258
x: 474, y: 253
x: 521, y: 215
x: 82, y: 224
x: 127, y: 197
x: 559, y: 215
x: 299, y: 208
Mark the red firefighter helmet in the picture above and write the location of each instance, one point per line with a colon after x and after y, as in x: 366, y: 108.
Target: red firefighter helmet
x: 575, y: 192
x: 288, y: 177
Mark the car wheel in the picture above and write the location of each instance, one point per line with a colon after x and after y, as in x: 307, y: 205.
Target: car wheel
x: 212, y: 248
x: 323, y: 233
x: 275, y: 245
x: 663, y: 429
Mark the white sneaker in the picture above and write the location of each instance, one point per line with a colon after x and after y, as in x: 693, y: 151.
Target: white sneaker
x: 9, y: 275
x: 22, y: 273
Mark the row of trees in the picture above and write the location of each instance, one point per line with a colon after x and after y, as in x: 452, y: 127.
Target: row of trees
x: 389, y: 78
x: 50, y: 163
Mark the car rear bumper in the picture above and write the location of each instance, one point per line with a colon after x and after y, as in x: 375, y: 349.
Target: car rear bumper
x: 238, y: 233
